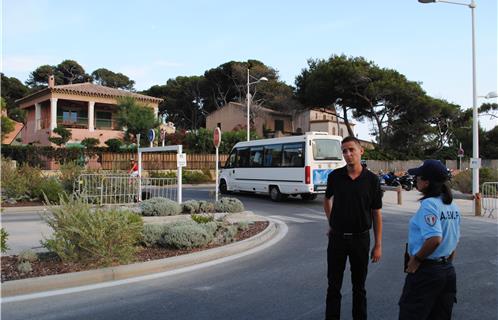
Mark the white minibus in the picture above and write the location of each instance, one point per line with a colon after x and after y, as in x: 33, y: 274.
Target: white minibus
x: 294, y: 165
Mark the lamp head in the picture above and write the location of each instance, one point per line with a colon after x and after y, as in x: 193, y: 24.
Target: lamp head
x: 491, y: 95
x: 263, y: 79
x: 427, y: 1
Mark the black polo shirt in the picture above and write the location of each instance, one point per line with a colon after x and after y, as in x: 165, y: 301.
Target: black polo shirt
x: 353, y: 200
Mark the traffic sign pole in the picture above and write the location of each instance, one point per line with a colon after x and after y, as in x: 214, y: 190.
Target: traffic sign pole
x: 217, y: 141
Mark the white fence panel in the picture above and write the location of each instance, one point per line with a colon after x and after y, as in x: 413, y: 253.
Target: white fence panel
x: 489, y: 198
x: 107, y: 189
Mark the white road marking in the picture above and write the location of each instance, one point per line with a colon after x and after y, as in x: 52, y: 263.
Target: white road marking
x: 312, y: 216
x: 291, y: 219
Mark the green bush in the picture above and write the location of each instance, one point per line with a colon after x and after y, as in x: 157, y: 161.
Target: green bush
x: 463, y: 181
x: 206, y: 207
x: 21, y: 183
x: 243, y: 225
x: 103, y: 236
x: 202, y: 218
x: 228, y: 204
x: 190, y: 206
x: 152, y: 234
x: 27, y: 255
x: 225, y: 233
x: 4, y: 235
x: 70, y: 171
x: 114, y: 144
x: 90, y: 142
x: 160, y: 207
x: 24, y: 267
x: 51, y: 190
x: 186, y: 235
x: 188, y: 176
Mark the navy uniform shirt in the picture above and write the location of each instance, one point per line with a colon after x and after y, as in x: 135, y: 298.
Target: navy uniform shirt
x: 353, y: 200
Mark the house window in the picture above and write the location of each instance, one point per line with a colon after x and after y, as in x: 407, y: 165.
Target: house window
x: 279, y: 125
x: 333, y: 131
x: 342, y: 132
x: 103, y: 120
x: 73, y: 118
x: 324, y: 117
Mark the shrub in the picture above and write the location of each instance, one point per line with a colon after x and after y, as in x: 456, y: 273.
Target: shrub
x: 103, y: 236
x: 463, y: 181
x: 4, y: 235
x: 185, y: 235
x: 243, y: 225
x: 160, y: 207
x: 27, y: 255
x: 188, y: 176
x: 202, y: 218
x: 24, y: 267
x: 114, y: 144
x: 225, y: 233
x: 90, y: 143
x: 70, y: 171
x: 190, y: 206
x: 229, y: 205
x: 152, y: 234
x: 206, y: 206
x: 51, y: 190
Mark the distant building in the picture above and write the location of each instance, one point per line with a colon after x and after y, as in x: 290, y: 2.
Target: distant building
x: 271, y: 123
x: 233, y: 116
x: 321, y: 119
x: 86, y: 109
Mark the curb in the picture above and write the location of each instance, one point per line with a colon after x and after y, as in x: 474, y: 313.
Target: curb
x: 91, y: 277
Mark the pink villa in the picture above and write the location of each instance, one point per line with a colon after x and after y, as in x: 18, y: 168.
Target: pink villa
x: 87, y: 109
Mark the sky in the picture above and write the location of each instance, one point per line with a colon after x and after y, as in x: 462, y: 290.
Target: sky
x: 152, y: 41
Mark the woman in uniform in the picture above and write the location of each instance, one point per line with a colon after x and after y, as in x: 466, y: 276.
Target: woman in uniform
x: 430, y: 286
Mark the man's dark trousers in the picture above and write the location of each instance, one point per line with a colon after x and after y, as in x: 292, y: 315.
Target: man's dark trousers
x: 340, y: 247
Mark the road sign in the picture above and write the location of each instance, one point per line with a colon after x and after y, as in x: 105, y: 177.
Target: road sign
x: 217, y: 137
x: 151, y: 135
x: 181, y: 160
x: 475, y: 163
x: 460, y: 152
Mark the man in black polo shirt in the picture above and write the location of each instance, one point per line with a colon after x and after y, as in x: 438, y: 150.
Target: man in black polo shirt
x: 352, y: 203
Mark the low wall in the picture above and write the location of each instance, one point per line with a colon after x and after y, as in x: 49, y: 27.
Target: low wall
x: 402, y: 166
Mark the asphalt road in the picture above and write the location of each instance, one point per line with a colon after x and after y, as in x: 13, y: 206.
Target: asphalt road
x: 285, y: 281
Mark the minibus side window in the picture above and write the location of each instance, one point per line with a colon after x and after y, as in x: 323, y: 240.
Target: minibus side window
x: 293, y: 155
x: 243, y: 157
x: 231, y: 161
x: 256, y: 156
x: 273, y: 155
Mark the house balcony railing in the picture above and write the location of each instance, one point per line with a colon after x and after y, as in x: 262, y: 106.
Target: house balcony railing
x: 82, y: 123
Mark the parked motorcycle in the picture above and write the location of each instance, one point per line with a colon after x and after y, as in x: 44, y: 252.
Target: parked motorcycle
x: 390, y: 179
x: 407, y: 182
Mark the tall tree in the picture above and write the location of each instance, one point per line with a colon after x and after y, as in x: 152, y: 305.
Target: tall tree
x: 184, y: 101
x: 327, y: 83
x: 66, y: 72
x: 13, y: 89
x: 111, y: 79
x: 135, y: 118
x: 7, y: 124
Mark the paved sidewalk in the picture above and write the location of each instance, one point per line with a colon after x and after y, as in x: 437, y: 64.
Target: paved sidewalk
x: 410, y: 204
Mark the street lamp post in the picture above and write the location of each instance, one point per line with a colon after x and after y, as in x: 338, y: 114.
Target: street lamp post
x: 249, y: 99
x: 475, y: 120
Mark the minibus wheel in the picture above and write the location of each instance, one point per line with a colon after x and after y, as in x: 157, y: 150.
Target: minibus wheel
x: 276, y: 195
x: 223, y: 187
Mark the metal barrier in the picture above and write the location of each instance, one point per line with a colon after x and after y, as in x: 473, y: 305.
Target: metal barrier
x: 105, y: 189
x: 489, y: 198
